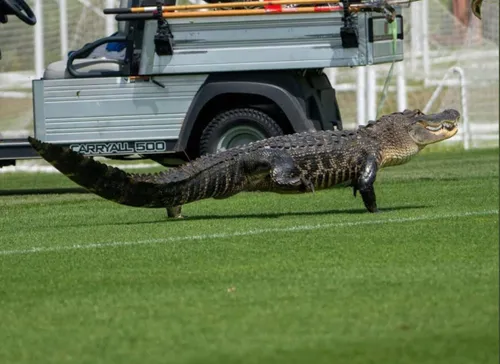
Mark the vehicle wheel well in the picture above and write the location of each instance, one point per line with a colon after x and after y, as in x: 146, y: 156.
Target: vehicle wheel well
x: 225, y: 102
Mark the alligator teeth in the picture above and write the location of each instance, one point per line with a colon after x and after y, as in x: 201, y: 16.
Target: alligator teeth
x: 436, y: 128
x: 449, y: 126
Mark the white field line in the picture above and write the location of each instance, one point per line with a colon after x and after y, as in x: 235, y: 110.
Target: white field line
x: 201, y: 237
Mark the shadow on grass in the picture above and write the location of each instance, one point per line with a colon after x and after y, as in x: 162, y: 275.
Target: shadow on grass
x: 295, y: 213
x: 259, y: 216
x: 275, y: 215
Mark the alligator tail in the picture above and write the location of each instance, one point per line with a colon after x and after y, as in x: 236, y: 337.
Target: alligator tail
x: 108, y: 182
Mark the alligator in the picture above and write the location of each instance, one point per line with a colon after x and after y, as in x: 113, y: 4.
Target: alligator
x: 293, y: 163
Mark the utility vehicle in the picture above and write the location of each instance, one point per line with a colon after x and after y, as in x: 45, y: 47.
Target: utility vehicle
x: 171, y: 89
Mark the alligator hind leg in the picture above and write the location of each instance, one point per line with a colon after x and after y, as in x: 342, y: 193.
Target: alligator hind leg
x: 280, y: 167
x: 286, y: 176
x: 174, y: 212
x: 365, y: 184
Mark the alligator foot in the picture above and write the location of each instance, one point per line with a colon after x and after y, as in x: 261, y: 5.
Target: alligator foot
x: 368, y: 196
x: 175, y: 212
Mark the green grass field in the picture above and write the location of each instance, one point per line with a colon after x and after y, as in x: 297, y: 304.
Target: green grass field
x: 258, y: 278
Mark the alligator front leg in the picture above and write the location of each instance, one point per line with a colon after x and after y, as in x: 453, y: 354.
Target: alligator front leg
x: 365, y: 184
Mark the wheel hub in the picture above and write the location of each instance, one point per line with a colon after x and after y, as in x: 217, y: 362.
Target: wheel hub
x: 239, y: 135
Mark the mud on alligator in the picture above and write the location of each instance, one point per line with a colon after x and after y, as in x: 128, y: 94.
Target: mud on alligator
x: 293, y: 163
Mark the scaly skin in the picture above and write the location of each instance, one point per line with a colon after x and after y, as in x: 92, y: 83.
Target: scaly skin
x: 295, y: 163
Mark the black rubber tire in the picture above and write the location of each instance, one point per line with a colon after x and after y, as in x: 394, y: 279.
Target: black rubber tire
x: 222, y: 125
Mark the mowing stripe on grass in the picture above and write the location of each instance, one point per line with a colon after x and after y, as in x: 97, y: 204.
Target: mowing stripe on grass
x: 242, y: 233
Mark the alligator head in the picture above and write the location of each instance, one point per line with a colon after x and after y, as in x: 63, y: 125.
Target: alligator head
x: 433, y: 128
x: 401, y: 135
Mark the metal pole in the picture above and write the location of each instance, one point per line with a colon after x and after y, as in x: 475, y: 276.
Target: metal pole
x: 110, y: 20
x: 401, y: 86
x: 63, y: 28
x: 371, y: 88
x: 361, y: 95
x: 425, y: 38
x: 416, y: 34
x: 465, y: 110
x: 38, y: 32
